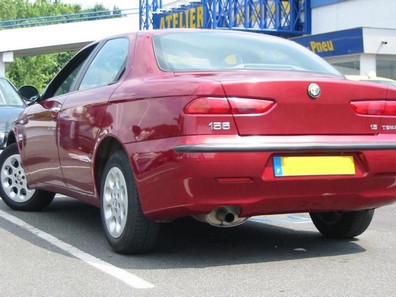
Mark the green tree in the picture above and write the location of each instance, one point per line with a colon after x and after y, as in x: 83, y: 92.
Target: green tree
x: 14, y: 10
x: 36, y: 70
x: 39, y: 70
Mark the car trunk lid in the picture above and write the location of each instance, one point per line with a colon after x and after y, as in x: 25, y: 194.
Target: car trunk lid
x: 317, y: 105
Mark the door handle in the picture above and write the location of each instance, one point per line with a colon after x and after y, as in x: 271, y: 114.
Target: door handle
x: 55, y: 109
x: 22, y: 121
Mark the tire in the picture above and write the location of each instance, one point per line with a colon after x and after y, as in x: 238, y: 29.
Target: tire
x: 13, y: 186
x: 126, y: 228
x: 342, y: 224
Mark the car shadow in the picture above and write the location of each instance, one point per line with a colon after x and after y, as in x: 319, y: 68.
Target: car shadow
x: 185, y: 243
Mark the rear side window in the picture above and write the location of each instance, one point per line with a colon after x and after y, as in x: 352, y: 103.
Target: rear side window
x: 67, y: 84
x: 107, y: 66
x: 67, y: 79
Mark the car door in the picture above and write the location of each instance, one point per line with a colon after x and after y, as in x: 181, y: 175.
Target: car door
x: 83, y: 114
x: 39, y: 151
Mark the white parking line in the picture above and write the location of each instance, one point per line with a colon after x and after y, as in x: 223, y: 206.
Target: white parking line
x: 289, y: 219
x: 118, y: 273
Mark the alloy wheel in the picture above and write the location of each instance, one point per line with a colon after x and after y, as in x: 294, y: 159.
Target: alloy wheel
x: 13, y: 180
x: 115, y: 202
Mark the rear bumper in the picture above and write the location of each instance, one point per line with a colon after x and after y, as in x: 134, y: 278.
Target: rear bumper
x: 194, y: 175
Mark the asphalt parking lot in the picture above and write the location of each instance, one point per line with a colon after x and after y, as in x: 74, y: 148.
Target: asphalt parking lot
x: 63, y: 252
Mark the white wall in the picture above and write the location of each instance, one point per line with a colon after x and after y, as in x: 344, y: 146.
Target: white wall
x: 60, y: 37
x: 354, y: 13
x: 379, y: 41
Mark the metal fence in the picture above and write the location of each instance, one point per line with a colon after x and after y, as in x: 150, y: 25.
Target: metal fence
x: 67, y: 18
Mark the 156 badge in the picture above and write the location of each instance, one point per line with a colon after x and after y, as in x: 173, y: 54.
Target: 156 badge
x: 217, y: 126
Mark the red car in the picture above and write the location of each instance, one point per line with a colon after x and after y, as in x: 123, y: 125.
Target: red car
x: 219, y: 125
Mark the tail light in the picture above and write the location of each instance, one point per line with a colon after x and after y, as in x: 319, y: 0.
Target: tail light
x: 379, y: 107
x: 208, y: 105
x: 214, y: 105
x: 250, y: 106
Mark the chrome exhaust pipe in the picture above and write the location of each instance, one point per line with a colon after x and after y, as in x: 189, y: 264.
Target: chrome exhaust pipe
x: 224, y: 216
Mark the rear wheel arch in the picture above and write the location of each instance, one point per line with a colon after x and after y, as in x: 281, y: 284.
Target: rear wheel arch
x: 106, y: 148
x: 127, y: 229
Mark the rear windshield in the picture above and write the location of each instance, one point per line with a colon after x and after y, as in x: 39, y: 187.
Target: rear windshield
x: 213, y: 50
x: 8, y: 95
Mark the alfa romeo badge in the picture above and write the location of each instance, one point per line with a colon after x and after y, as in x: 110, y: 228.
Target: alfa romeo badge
x: 313, y: 90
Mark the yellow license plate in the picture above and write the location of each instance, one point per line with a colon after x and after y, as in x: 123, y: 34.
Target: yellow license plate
x: 313, y: 165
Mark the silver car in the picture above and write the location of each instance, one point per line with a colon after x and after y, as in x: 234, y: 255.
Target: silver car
x: 11, y: 104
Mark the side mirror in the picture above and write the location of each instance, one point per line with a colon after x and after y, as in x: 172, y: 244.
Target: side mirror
x: 29, y: 93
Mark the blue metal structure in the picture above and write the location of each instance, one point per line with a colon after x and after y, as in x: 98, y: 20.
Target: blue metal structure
x: 146, y: 10
x: 279, y: 17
